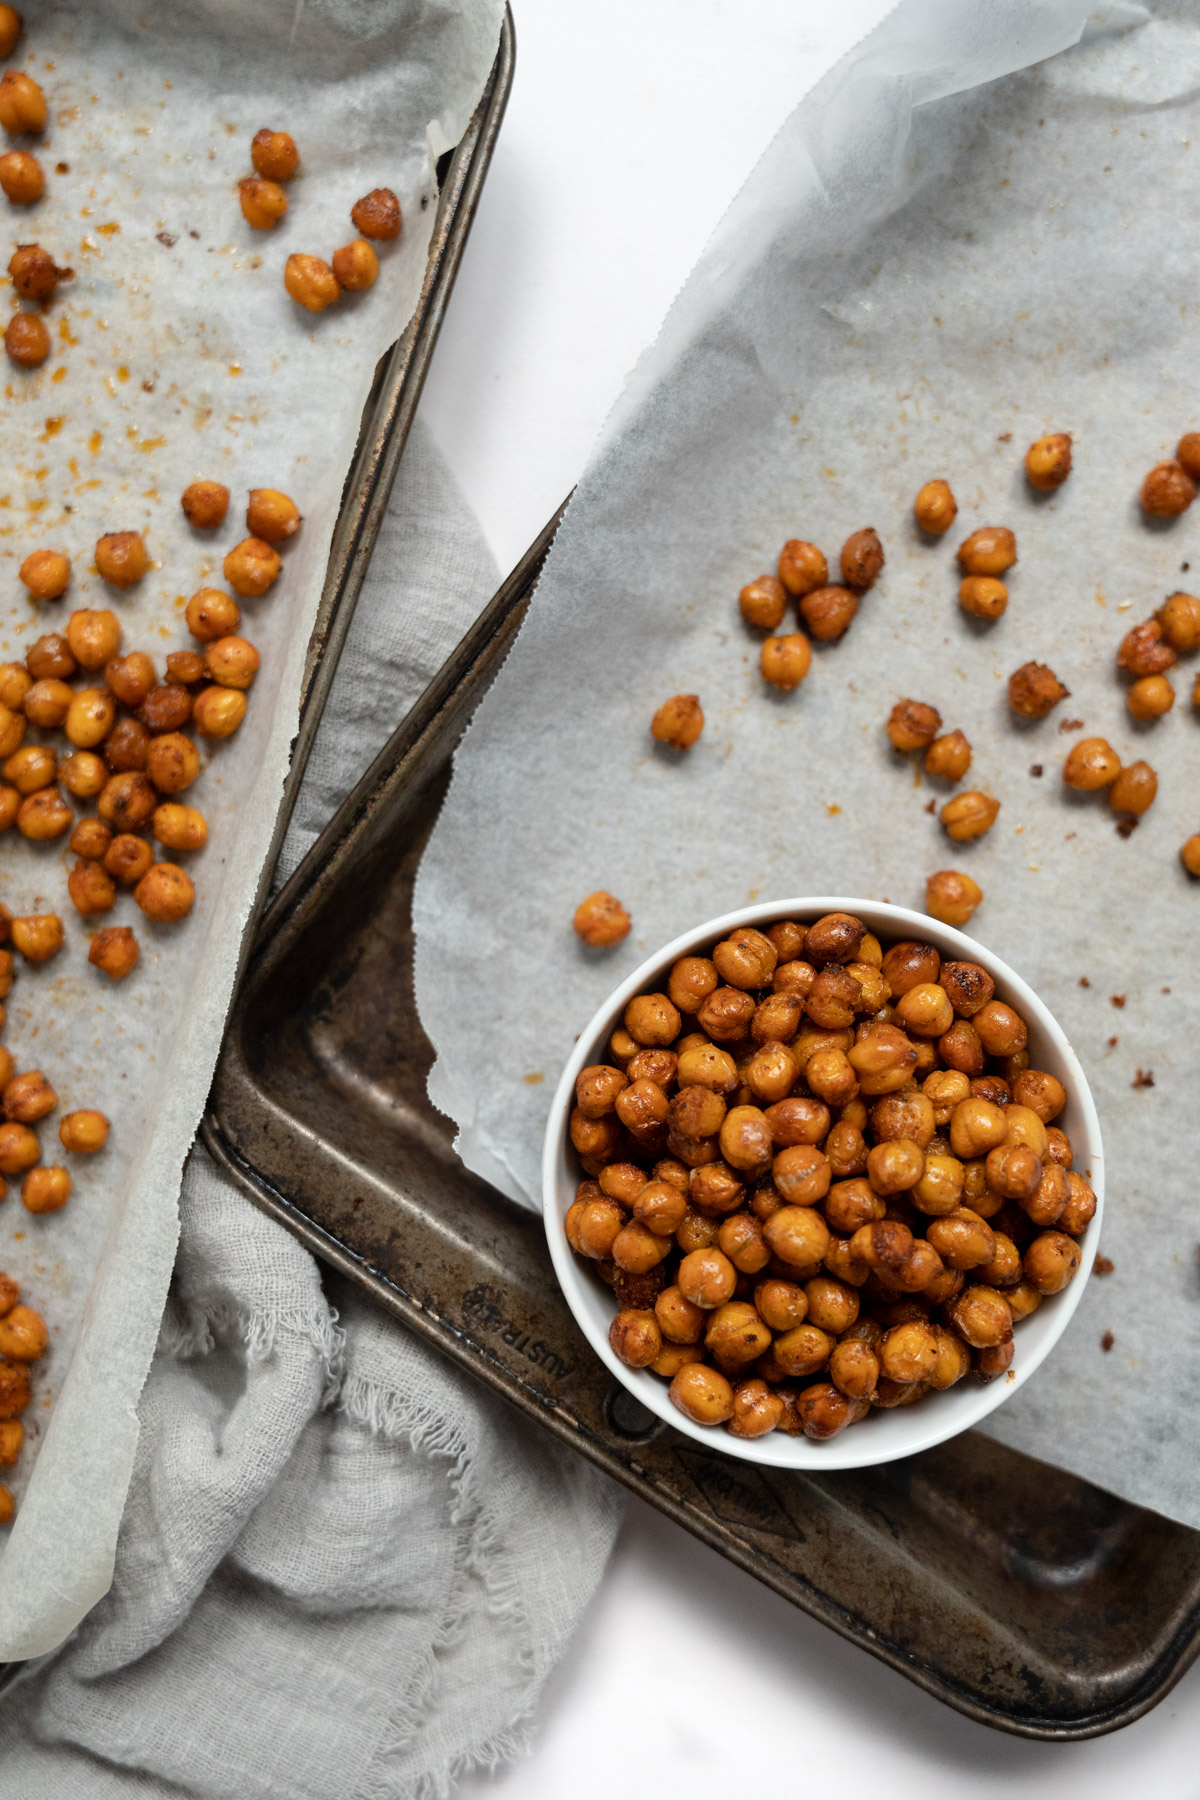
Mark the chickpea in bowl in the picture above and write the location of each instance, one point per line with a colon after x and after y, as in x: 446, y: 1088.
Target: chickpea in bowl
x: 823, y: 1183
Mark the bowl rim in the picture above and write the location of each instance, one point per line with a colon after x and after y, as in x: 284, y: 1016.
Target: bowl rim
x: 929, y: 1426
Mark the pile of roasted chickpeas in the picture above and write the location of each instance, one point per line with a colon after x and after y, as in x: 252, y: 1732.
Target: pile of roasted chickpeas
x: 23, y: 1342
x: 820, y: 1176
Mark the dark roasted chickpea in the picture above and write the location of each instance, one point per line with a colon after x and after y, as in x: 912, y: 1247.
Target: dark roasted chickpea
x: 251, y: 567
x: 377, y: 215
x: 885, y: 1245
x: 824, y: 1411
x: 130, y: 678
x: 46, y: 573
x: 37, y: 937
x: 756, y: 1410
x: 981, y: 1316
x: 949, y: 757
x: 635, y: 1338
x: 1167, y: 491
x: 851, y: 1204
x: 833, y: 938
x: 128, y: 800
x: 854, y: 1368
x: 988, y: 551
x: 992, y: 1087
x: 1134, y: 789
x: 862, y: 559
x: 798, y: 1120
x: 835, y: 998
x: 1035, y: 690
x: 90, y: 839
x: 935, y: 508
x: 968, y: 816
x: 829, y: 612
x: 764, y: 602
x: 968, y: 986
x: 22, y: 104
x: 1150, y: 698
x: 952, y: 897
x: 44, y: 815
x: 127, y: 746
x: 601, y: 920
x: 1080, y: 1209
x: 1045, y: 1205
x: 166, y: 708
x: 26, y: 340
x: 908, y: 964
x: 122, y: 558
x: 797, y: 1235
x: 355, y: 266
x: 184, y: 668
x: 961, y: 1049
x: 274, y: 154
x: 962, y: 1239
x: 802, y: 568
x: 678, y: 721
x: 912, y: 725
x: 91, y: 890
x: 702, y: 1394
x: 212, y: 614
x: 21, y: 178
x: 1048, y: 461
x: 115, y: 951
x: 1179, y: 617
x: 1144, y: 651
x: 35, y: 274
x: 263, y: 203
x: 205, y: 504
x: 983, y: 596
x: 1091, y: 763
x: 714, y: 1188
x: 785, y: 661
x: 311, y: 283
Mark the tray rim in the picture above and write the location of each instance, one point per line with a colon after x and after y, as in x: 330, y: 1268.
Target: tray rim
x: 299, y: 895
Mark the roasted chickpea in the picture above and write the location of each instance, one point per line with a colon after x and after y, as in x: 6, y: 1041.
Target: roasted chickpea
x: 638, y: 1250
x: 635, y: 1338
x: 983, y: 596
x: 1189, y: 855
x: 831, y: 1077
x: 912, y: 725
x: 1091, y: 763
x: 798, y: 1120
x: 745, y: 959
x: 909, y: 963
x: 12, y: 1437
x: 10, y: 30
x: 981, y: 1316
x: 678, y: 721
x: 949, y: 757
x: 885, y: 1245
x: 1014, y: 1171
x: 1144, y: 651
x: 735, y: 1336
x: 205, y: 503
x: 46, y: 1190
x: 91, y: 890
x: 642, y: 1109
x: 801, y: 1174
x: 274, y: 154
x: 851, y: 1204
x: 232, y: 662
x: 218, y: 711
x: 895, y: 1166
x: 165, y: 893
x: 883, y: 1059
x: 904, y: 1115
x: 127, y: 859
x: 21, y: 177
x: 271, y: 515
x: 745, y: 1139
x: 1179, y: 617
x: 311, y: 283
x: 212, y: 614
x: 165, y: 708
x: 829, y: 612
x: 1080, y: 1208
x: 764, y: 602
x: 678, y: 1318
x: 26, y: 340
x: 756, y: 1410
x: 935, y: 508
x: 707, y: 1278
x: 968, y: 816
x: 862, y: 560
x: 130, y: 678
x: 44, y: 815
x: 84, y: 1132
x: 22, y: 104
x: 90, y: 839
x: 355, y: 266
x: 47, y: 702
x: 377, y: 215
x: 939, y: 1191
x: 908, y: 1352
x: 23, y: 1335
x: 251, y: 567
x: 19, y: 1149
x: 1048, y: 461
x: 46, y: 574
x: 962, y: 1239
x: 122, y: 558
x: 835, y: 998
x: 968, y: 985
x: 802, y: 568
x: 651, y: 1019
x: 90, y: 717
x: 621, y: 1181
x: 797, y: 1235
x: 952, y: 897
x: 823, y: 1411
x: 1187, y: 453
x: 707, y: 1066
x: 1134, y: 789
x: 702, y: 1394
x: 1035, y: 690
x: 990, y: 550
x: 804, y: 1350
x: 1150, y: 698
x: 741, y: 1240
x: 128, y: 800
x: 31, y: 767
x: 38, y: 937
x: 28, y: 1098
x: 263, y: 203
x: 115, y: 950
x: 1044, y: 1207
x: 15, y: 1392
x: 834, y: 938
x: 794, y: 977
x: 596, y: 1087
x: 715, y: 1188
x: 1167, y: 491
x: 15, y: 683
x: 925, y: 1010
x: 854, y: 1368
x: 976, y: 1126
x: 785, y: 661
x: 1000, y: 1028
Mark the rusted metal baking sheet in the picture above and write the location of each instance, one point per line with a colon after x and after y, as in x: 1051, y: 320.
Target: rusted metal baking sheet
x: 1016, y: 1593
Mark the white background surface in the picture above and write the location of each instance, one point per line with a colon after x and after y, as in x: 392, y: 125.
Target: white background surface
x: 632, y: 124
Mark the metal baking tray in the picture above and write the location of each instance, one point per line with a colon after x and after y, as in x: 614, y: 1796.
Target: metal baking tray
x: 1019, y: 1595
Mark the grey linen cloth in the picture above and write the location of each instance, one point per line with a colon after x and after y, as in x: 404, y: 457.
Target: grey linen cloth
x: 344, y: 1570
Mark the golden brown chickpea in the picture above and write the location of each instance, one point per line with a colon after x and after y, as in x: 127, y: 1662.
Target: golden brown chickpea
x: 1167, y: 491
x: 976, y: 1126
x: 84, y: 1132
x: 745, y: 959
x: 745, y: 1139
x: 797, y: 1235
x: 115, y: 950
x: 707, y: 1278
x: 184, y: 668
x: 635, y: 1338
x: 122, y: 558
x: 908, y: 964
x: 232, y: 662
x: 23, y: 1335
x: 962, y: 1239
x: 1048, y: 461
x: 251, y: 567
x: 212, y: 614
x: 833, y: 938
x: 1150, y: 698
x: 1044, y: 1207
x: 1179, y: 618
x: 94, y: 637
x: 829, y: 612
x: 883, y: 1060
x: 735, y: 1336
x: 702, y: 1394
x: 851, y: 1204
x: 637, y: 1250
x: 1022, y: 1126
x: 675, y: 1174
x: 698, y: 1232
x: 271, y: 515
x: 785, y: 661
x: 274, y: 154
x: 263, y: 203
x: 21, y: 177
x: 804, y: 1350
x: 903, y: 1115
x: 90, y: 839
x: 1080, y: 1209
x: 44, y: 815
x: 377, y: 215
x: 678, y: 1319
x: 47, y: 702
x: 696, y: 1111
x: 15, y: 683
x: 862, y: 560
x: 1004, y: 1270
x: 1187, y: 453
x: 1000, y: 1028
x: 651, y: 1019
x: 29, y: 1097
x: 1091, y: 763
x: 756, y: 1410
x: 1015, y: 1171
x: 91, y: 890
x: 777, y: 1019
x: 26, y: 340
x: 10, y: 30
x: 949, y: 757
x: 940, y: 1188
x: 37, y: 937
x: 961, y: 1049
x: 831, y: 1078
x: 708, y: 1066
x: 981, y: 1316
x: 715, y: 1188
x: 218, y: 711
x: 22, y: 104
x: 597, y: 1227
x: 908, y: 1352
x: 130, y: 678
x: 764, y: 602
x: 311, y: 283
x: 925, y: 1010
x: 8, y: 1505
x: 835, y: 998
x: 1189, y: 855
x: 46, y: 1190
x: 621, y: 1181
x: 166, y: 708
x: 46, y: 574
x: 205, y: 504
x: 854, y: 1368
x: 1043, y: 1094
x: 935, y: 508
x: 952, y: 897
x: 741, y: 1239
x: 127, y: 859
x: 1035, y: 690
x: 794, y: 977
x: 19, y: 1149
x: 968, y: 816
x: 15, y: 1391
x: 782, y: 1305
x: 944, y: 1089
x: 31, y: 767
x: 678, y: 721
x: 823, y: 1411
x: 798, y: 1120
x: 912, y: 725
x: 128, y: 800
x: 990, y: 550
x: 642, y: 1109
x: 165, y: 893
x: 801, y: 1174
x: 1145, y: 651
x: 802, y: 568
x: 832, y: 1305
x: 596, y: 1087
x: 12, y: 1437
x: 895, y: 1166
x: 1134, y: 789
x: 691, y: 981
x: 355, y: 266
x: 90, y: 717
x: 983, y: 596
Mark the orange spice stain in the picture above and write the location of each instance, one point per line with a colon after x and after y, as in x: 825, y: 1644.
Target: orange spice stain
x: 53, y: 427
x: 148, y: 444
x: 60, y: 374
x: 110, y: 228
x: 95, y: 441
x: 65, y: 332
x: 35, y: 505
x: 122, y: 373
x: 235, y: 368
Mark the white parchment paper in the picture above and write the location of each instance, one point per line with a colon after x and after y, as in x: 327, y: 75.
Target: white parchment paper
x: 178, y: 354
x: 937, y: 260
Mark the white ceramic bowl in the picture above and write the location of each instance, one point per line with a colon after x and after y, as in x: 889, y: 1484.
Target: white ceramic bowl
x: 885, y: 1435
